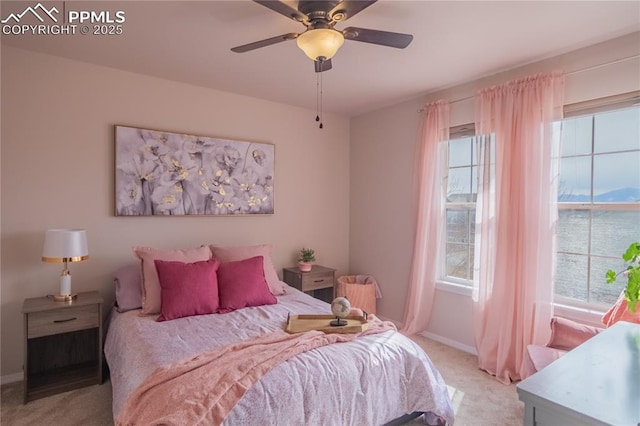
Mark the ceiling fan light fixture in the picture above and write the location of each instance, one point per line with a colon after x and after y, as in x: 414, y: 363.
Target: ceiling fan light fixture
x: 321, y: 42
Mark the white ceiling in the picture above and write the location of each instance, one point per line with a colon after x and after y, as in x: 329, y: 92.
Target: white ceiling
x: 454, y: 42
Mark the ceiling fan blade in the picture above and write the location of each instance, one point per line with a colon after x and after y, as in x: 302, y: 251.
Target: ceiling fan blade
x: 284, y: 9
x: 264, y: 43
x: 384, y: 38
x: 321, y: 66
x: 349, y: 8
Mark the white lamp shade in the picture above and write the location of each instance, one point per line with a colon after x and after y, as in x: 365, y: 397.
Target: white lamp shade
x: 321, y: 42
x: 65, y: 245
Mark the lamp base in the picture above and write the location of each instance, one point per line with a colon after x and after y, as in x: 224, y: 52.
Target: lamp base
x: 64, y: 297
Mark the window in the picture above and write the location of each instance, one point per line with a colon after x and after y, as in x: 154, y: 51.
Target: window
x: 598, y: 200
x: 461, y: 188
x: 599, y: 204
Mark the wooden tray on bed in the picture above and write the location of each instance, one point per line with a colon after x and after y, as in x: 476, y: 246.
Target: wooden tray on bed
x: 302, y: 323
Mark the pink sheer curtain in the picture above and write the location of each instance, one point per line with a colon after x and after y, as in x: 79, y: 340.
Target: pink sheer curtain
x: 434, y: 132
x: 516, y: 221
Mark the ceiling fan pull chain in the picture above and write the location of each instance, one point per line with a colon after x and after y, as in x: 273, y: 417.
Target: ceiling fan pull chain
x: 320, y: 76
x: 317, y: 96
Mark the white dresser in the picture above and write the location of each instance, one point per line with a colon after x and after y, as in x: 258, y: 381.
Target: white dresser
x: 597, y: 383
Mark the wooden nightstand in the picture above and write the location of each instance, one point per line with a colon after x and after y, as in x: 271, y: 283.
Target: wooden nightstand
x: 319, y: 282
x: 62, y: 345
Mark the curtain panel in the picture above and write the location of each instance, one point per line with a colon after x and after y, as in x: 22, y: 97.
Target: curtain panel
x: 428, y: 175
x: 516, y: 219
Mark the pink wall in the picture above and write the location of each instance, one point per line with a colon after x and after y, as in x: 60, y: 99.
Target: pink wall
x: 57, y: 171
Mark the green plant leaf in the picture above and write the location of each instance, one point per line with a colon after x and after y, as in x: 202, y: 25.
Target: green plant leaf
x: 632, y: 272
x: 632, y: 253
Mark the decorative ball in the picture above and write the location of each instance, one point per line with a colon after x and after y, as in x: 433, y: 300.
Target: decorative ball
x: 341, y: 307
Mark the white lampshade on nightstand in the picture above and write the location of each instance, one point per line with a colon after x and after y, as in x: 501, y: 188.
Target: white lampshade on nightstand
x: 63, y: 246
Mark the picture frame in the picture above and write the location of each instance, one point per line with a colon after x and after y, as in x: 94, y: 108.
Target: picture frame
x: 161, y: 173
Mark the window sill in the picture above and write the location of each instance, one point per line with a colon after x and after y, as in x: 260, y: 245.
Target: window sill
x: 455, y: 288
x: 582, y: 315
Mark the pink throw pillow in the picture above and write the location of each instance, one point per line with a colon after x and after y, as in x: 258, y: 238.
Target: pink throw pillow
x: 620, y: 312
x: 187, y: 288
x: 150, y: 283
x: 567, y: 334
x: 230, y: 254
x: 242, y: 284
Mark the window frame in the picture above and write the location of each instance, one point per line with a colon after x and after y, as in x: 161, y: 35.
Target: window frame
x: 570, y: 308
x: 591, y: 108
x: 446, y: 282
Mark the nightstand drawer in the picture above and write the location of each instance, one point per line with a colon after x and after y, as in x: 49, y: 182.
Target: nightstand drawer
x: 47, y: 323
x: 316, y: 281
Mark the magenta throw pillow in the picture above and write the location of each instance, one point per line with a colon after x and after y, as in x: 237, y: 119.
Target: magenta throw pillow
x: 242, y: 284
x: 231, y: 254
x: 187, y: 288
x: 150, y: 284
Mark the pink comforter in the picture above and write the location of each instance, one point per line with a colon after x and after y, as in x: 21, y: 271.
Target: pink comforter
x: 174, y: 395
x: 367, y: 381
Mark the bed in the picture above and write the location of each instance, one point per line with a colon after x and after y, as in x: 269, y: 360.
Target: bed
x: 372, y: 380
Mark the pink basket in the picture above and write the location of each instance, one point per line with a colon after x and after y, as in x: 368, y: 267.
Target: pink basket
x: 361, y: 295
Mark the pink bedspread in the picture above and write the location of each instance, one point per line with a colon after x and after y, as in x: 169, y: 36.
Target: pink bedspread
x: 167, y: 396
x: 370, y: 380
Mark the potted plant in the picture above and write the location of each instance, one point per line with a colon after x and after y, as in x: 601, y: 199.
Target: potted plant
x: 632, y: 272
x: 306, y: 259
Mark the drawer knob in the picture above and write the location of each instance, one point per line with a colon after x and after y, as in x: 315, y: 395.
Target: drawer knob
x: 65, y: 320
x: 318, y: 281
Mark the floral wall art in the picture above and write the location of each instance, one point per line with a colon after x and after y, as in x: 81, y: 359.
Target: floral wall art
x: 164, y: 173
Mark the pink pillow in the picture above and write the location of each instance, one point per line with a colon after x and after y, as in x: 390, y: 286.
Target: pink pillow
x: 230, y: 254
x: 150, y: 283
x: 128, y: 283
x: 242, y: 284
x: 567, y: 334
x: 187, y: 288
x: 619, y: 312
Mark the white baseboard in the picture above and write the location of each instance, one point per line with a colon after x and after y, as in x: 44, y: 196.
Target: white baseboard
x: 11, y: 378
x: 450, y: 342
x: 438, y: 338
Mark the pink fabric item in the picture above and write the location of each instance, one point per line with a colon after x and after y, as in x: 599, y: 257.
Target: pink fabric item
x: 619, y: 312
x: 150, y: 282
x: 567, y: 334
x: 128, y: 283
x: 230, y: 254
x: 429, y: 216
x: 167, y: 395
x: 187, y: 288
x: 241, y: 284
x: 356, y: 311
x: 541, y: 356
x: 516, y: 217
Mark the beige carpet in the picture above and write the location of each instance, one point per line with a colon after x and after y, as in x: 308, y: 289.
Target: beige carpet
x: 484, y: 400
x: 478, y: 399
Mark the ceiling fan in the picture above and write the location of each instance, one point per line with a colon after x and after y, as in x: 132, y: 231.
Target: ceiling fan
x: 320, y: 41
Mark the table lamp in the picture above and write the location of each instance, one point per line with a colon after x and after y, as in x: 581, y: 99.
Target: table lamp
x: 62, y: 246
